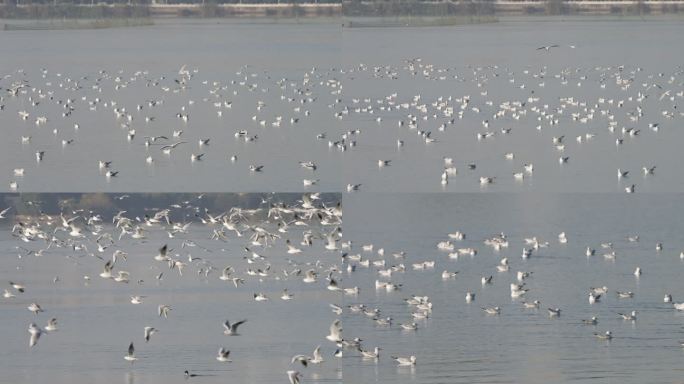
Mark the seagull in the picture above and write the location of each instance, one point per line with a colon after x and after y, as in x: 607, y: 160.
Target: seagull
x: 286, y: 296
x: 231, y: 329
x: 374, y: 354
x: 547, y: 47
x: 19, y: 287
x: 260, y: 297
x: 492, y: 310
x: 52, y: 325
x: 335, y: 332
x: 649, y: 170
x: 3, y: 212
x: 631, y: 317
x: 405, y: 361
x: 317, y: 358
x: 592, y: 321
x: 167, y: 148
x: 35, y: 334
x: 35, y: 308
x: 107, y: 273
x: 594, y: 298
x: 308, y: 165
x: 223, y: 355
x: 469, y: 297
x: 162, y: 255
x: 149, y: 331
x: 189, y: 375
x: 294, y: 377
x: 130, y: 355
x: 163, y: 310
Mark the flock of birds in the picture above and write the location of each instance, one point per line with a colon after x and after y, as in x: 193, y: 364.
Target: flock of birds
x: 150, y: 119
x: 106, y: 250
x: 390, y: 270
x: 91, y: 240
x: 155, y: 117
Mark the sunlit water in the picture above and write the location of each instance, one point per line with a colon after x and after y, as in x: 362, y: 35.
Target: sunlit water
x: 460, y: 343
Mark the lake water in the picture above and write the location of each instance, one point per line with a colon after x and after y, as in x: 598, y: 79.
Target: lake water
x: 278, y: 95
x: 332, y: 75
x: 460, y: 343
x: 96, y: 320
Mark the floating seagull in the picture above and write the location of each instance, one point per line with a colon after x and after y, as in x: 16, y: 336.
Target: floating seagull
x: 592, y: 321
x: 629, y: 317
x: 405, y: 361
x: 492, y: 310
x: 374, y: 354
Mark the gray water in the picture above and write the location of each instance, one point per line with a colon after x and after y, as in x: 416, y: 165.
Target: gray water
x: 460, y: 343
x: 347, y: 82
x: 262, y: 53
x: 459, y: 58
x: 97, y: 321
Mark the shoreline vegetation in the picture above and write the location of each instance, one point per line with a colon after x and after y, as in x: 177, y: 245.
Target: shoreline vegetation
x: 87, y: 14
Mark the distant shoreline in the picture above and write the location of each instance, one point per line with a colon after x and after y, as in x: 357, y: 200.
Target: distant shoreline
x: 344, y: 11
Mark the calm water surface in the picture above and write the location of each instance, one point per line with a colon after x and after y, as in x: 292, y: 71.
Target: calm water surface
x: 333, y: 80
x: 460, y: 343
